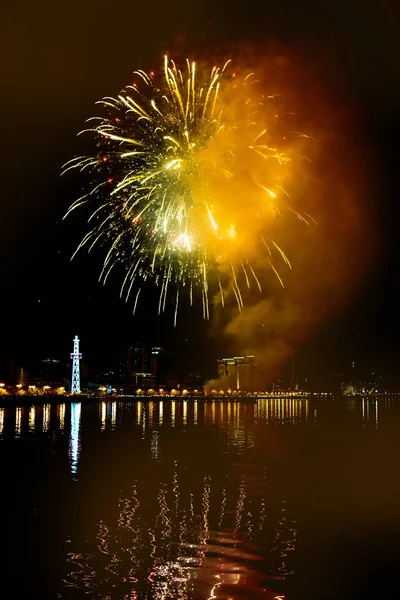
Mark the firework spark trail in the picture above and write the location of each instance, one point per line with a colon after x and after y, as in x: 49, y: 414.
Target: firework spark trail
x: 188, y: 180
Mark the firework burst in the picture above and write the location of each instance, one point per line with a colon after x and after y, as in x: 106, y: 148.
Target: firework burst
x: 189, y: 177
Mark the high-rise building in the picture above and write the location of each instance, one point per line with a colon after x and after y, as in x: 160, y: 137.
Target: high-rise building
x: 49, y: 370
x: 123, y: 368
x: 155, y: 358
x: 139, y: 360
x: 239, y: 372
x: 131, y: 361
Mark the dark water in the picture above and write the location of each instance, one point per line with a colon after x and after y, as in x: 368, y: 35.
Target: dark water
x: 280, y: 499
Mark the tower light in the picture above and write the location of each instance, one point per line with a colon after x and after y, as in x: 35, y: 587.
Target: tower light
x: 76, y: 376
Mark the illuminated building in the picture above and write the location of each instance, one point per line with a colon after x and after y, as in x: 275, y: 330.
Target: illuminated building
x: 239, y: 372
x: 76, y: 376
x: 144, y: 380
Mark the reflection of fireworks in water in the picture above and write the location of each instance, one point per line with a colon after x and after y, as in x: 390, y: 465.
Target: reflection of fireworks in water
x: 192, y: 170
x: 191, y: 546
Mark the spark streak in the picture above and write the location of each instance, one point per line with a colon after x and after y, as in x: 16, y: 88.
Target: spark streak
x: 188, y: 182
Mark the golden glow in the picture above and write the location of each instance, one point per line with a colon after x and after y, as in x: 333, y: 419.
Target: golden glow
x: 283, y: 410
x: 139, y: 413
x: 61, y: 415
x: 32, y: 418
x: 103, y: 408
x: 173, y: 413
x: 185, y: 411
x: 18, y: 420
x: 195, y: 409
x: 191, y: 175
x: 160, y: 413
x: 46, y: 417
x: 151, y: 412
x: 113, y: 414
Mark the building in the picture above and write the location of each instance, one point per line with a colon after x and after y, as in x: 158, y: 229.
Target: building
x: 139, y: 358
x: 239, y: 372
x: 49, y: 374
x: 130, y: 361
x: 156, y: 354
x: 134, y: 367
x: 144, y: 381
x: 49, y: 370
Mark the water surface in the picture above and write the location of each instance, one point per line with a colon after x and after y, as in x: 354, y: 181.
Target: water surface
x: 280, y: 499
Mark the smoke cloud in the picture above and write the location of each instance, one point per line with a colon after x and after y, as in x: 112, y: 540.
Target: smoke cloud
x: 330, y: 257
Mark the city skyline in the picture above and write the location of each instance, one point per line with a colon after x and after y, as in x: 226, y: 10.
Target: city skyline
x: 47, y: 297
x: 143, y: 368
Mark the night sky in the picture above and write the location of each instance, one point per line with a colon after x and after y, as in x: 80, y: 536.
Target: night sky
x: 57, y: 61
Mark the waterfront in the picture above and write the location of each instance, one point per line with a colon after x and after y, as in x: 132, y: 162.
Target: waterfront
x: 280, y: 498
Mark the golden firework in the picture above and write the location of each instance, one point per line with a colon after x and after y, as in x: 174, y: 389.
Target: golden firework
x: 189, y: 177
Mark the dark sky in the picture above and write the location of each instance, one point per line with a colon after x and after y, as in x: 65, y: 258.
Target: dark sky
x: 58, y: 60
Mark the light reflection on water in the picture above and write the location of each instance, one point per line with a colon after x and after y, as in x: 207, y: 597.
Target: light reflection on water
x: 46, y: 417
x: 139, y: 410
x: 281, y: 410
x: 32, y: 419
x: 172, y: 522
x: 266, y: 411
x: 188, y: 541
x: 201, y: 545
x: 74, y: 447
x: 61, y: 416
x: 18, y: 420
x: 173, y: 408
x: 113, y: 414
x: 103, y: 415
